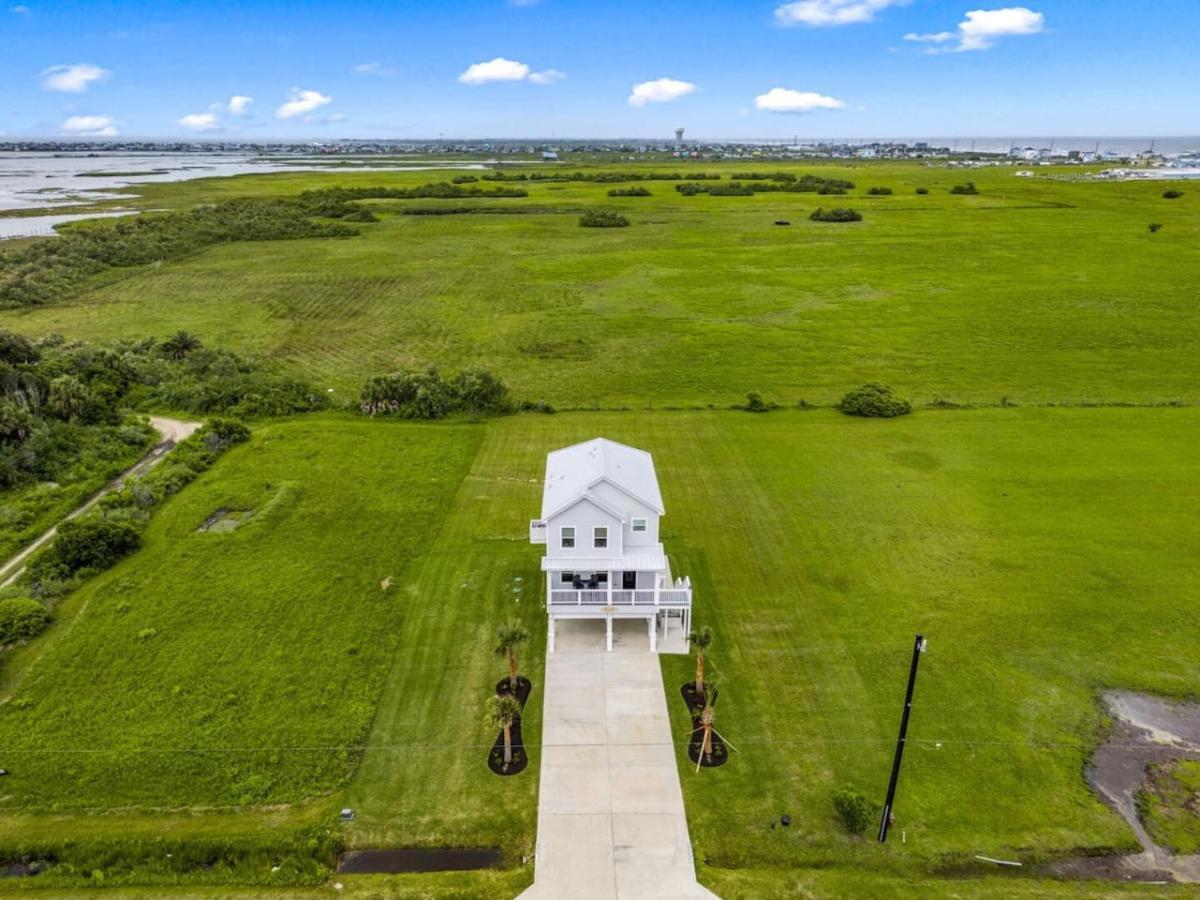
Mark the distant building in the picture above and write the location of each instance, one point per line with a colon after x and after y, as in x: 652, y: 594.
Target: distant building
x: 549, y: 155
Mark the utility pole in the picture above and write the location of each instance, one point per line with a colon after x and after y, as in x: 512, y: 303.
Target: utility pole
x: 885, y: 822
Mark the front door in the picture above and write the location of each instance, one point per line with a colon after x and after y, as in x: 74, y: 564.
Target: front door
x: 628, y: 581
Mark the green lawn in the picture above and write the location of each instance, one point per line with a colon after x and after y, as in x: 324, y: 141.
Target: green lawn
x: 247, y: 685
x: 1036, y: 290
x: 218, y: 669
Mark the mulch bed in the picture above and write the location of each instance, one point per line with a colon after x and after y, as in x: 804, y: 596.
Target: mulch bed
x: 695, y: 704
x: 524, y: 687
x: 519, y: 757
x: 719, y: 755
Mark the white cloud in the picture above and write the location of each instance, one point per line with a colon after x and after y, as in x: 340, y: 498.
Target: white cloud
x: 72, y: 79
x: 980, y: 29
x: 200, y: 121
x: 91, y: 126
x: 549, y: 76
x: 498, y: 69
x: 659, y: 91
x: 378, y: 69
x: 501, y: 69
x: 239, y: 104
x: 938, y: 37
x: 785, y: 100
x: 300, y: 102
x: 820, y: 13
x: 22, y: 10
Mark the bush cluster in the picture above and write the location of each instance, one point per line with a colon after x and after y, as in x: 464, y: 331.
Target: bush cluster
x: 21, y: 619
x: 82, y: 547
x: 1172, y: 194
x: 880, y: 191
x: 427, y: 395
x: 599, y: 177
x: 61, y: 401
x: 874, y: 401
x: 629, y: 192
x: 770, y: 183
x: 854, y: 810
x: 47, y: 271
x: 968, y: 188
x: 602, y: 218
x: 338, y: 202
x: 922, y: 190
x: 835, y: 214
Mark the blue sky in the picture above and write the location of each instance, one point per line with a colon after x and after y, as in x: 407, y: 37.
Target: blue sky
x: 566, y: 68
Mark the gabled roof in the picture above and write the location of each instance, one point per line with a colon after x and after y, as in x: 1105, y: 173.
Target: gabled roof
x: 572, y: 471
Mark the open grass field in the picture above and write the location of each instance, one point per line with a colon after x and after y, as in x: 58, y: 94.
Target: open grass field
x: 254, y: 682
x: 1036, y: 290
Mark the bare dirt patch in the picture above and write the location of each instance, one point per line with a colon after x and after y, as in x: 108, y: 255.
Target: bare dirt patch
x: 1145, y: 730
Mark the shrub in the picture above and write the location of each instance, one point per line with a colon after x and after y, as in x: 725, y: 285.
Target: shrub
x: 360, y: 215
x: 426, y: 395
x: 602, y: 218
x: 479, y: 391
x: 922, y: 190
x: 835, y: 214
x: 89, y: 544
x: 1154, y: 226
x: 1172, y: 194
x: 16, y: 349
x: 874, y: 401
x: 756, y: 404
x: 879, y: 191
x: 830, y: 189
x: 855, y: 811
x: 968, y: 188
x: 629, y: 192
x: 21, y: 619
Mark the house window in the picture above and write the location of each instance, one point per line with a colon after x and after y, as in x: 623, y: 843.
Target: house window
x: 568, y: 536
x: 600, y: 537
x: 639, y: 526
x: 568, y: 577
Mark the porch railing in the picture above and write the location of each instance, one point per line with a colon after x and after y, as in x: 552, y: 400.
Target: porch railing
x: 673, y: 598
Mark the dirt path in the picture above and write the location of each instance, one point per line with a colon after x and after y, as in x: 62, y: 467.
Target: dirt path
x: 1147, y: 729
x: 172, y: 432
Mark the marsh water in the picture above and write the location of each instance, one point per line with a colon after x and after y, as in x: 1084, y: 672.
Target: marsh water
x: 34, y: 181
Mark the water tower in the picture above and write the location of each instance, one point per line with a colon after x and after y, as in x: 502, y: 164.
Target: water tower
x: 678, y: 137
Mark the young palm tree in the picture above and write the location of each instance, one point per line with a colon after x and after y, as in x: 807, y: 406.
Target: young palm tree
x: 509, y: 636
x: 502, y: 712
x: 707, y: 716
x: 701, y: 640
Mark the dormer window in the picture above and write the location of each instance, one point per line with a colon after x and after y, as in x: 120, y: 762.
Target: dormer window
x: 567, y: 536
x: 639, y: 526
x: 600, y: 537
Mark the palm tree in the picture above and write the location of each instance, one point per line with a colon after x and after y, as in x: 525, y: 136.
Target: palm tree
x: 180, y: 344
x: 701, y: 640
x: 502, y: 712
x: 707, y: 716
x: 509, y: 636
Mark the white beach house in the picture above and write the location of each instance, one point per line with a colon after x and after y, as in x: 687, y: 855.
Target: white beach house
x: 600, y: 511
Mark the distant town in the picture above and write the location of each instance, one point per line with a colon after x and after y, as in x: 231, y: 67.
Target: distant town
x: 680, y: 148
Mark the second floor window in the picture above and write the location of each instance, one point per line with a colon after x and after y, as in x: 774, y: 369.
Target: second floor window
x: 639, y: 525
x: 568, y: 537
x: 600, y: 536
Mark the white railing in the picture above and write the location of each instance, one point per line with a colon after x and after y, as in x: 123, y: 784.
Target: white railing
x: 673, y: 598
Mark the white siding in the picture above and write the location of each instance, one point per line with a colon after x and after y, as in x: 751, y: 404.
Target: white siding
x: 618, y: 499
x: 584, y: 516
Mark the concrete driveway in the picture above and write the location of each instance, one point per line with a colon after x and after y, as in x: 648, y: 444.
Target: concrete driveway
x: 610, y: 809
